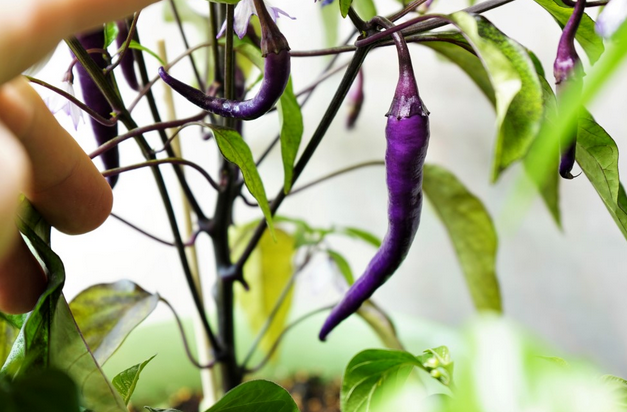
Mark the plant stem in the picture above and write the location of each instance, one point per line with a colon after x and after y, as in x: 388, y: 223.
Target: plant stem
x: 179, y: 24
x: 142, y: 231
x: 337, y: 173
x: 323, y: 126
x: 116, y: 103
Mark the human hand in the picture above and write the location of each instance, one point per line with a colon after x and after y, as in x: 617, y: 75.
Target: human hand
x: 37, y: 156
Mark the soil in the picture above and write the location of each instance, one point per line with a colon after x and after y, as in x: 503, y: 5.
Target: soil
x: 311, y: 393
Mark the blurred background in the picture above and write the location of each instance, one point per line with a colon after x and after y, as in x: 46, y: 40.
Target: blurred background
x: 567, y: 285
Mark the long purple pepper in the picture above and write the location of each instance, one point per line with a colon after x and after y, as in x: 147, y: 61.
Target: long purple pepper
x: 275, y: 49
x: 407, y: 135
x: 96, y: 100
x: 568, y: 74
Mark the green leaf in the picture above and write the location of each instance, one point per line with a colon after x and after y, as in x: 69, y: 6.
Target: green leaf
x: 586, y: 36
x: 107, y: 313
x: 111, y: 33
x: 374, y: 375
x: 256, y: 396
x: 49, y: 337
x: 46, y: 390
x: 366, y: 9
x: 291, y: 120
x: 344, y: 6
x: 516, y: 85
x: 343, y: 265
x: 471, y: 230
x: 381, y: 324
x: 134, y: 45
x: 8, y: 335
x: 126, y: 381
x: 362, y: 235
x: 597, y: 155
x: 465, y: 60
x: 235, y: 150
x: 160, y: 410
x: 619, y: 386
x: 267, y: 271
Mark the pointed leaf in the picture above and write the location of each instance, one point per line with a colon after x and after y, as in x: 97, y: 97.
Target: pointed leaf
x: 343, y: 266
x: 586, y: 36
x: 256, y: 396
x: 344, y: 6
x: 111, y: 33
x: 107, y: 313
x: 267, y: 271
x: 597, y: 155
x: 126, y: 381
x: 471, y: 230
x: 134, y: 45
x: 291, y: 120
x: 372, y: 373
x: 362, y: 235
x: 517, y: 88
x: 235, y: 150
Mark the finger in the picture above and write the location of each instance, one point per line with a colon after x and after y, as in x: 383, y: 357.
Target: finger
x: 66, y: 187
x: 32, y: 28
x: 22, y: 280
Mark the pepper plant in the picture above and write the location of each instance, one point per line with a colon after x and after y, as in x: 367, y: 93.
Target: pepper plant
x: 59, y: 347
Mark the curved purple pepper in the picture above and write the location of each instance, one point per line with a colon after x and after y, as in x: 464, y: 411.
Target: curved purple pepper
x: 128, y: 62
x: 567, y: 71
x: 275, y: 49
x: 95, y: 100
x: 407, y: 135
x: 355, y: 100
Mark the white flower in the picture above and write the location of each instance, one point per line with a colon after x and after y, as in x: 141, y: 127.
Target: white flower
x: 56, y: 103
x: 612, y: 16
x: 244, y: 11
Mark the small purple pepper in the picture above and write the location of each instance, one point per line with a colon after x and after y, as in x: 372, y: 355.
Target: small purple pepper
x: 275, y: 49
x: 407, y: 135
x: 355, y: 100
x: 96, y: 100
x: 128, y: 62
x: 567, y: 71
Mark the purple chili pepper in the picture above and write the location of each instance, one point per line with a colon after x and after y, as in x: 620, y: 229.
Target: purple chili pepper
x: 128, y: 61
x: 355, y: 100
x: 407, y: 135
x: 275, y: 49
x: 96, y: 100
x: 567, y: 71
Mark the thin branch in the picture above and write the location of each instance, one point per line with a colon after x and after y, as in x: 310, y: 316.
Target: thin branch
x: 141, y: 130
x: 142, y: 231
x: 179, y: 23
x: 406, y: 10
x: 126, y: 45
x: 337, y: 173
x: 188, y: 351
x: 157, y: 162
x: 74, y: 100
x: 275, y: 346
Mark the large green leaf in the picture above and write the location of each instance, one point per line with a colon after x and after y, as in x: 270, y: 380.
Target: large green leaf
x: 256, y: 396
x: 46, y: 390
x: 107, y: 313
x: 586, y: 36
x: 235, y: 150
x: 49, y: 337
x: 331, y: 23
x: 597, y: 155
x: 267, y: 271
x: 516, y: 85
x: 374, y: 375
x: 8, y: 334
x: 126, y: 381
x: 471, y: 230
x: 291, y: 120
x: 366, y: 9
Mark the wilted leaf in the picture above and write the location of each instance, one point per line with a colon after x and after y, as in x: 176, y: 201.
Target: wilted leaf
x: 267, y: 271
x: 470, y: 229
x: 126, y: 381
x: 107, y: 313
